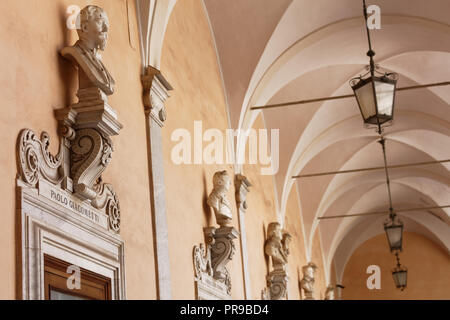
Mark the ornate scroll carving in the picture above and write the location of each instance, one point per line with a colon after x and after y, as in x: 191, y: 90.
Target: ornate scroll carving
x: 277, y: 247
x: 35, y: 160
x: 91, y: 153
x: 220, y: 242
x: 108, y: 201
x: 85, y: 129
x: 307, y: 283
x: 210, y: 261
x: 202, y: 262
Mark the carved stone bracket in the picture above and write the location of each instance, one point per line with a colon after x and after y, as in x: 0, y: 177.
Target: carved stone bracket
x: 86, y: 128
x: 210, y: 261
x: 155, y: 94
x: 276, y: 286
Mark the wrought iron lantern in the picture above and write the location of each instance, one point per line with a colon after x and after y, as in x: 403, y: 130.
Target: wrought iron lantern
x: 375, y: 94
x: 376, y: 97
x: 393, y: 227
x: 400, y: 275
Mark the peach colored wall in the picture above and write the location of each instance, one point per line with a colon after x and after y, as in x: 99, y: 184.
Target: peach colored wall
x: 317, y: 258
x: 428, y: 269
x: 297, y: 257
x: 35, y: 80
x: 261, y: 211
x: 189, y: 63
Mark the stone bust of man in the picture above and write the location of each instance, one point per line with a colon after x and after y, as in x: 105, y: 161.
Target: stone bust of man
x: 93, y: 37
x: 307, y: 283
x: 218, y: 198
x: 277, y: 245
x: 329, y: 293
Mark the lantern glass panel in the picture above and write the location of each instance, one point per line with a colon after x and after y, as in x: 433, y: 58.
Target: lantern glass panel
x: 394, y: 235
x: 366, y: 101
x: 385, y: 98
x: 400, y: 278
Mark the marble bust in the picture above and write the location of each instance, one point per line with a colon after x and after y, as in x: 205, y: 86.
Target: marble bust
x: 307, y: 283
x: 85, y: 54
x: 329, y: 293
x: 218, y: 198
x: 277, y: 245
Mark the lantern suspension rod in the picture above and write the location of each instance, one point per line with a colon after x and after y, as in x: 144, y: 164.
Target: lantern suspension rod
x: 287, y: 104
x: 380, y: 212
x: 388, y: 182
x: 398, y: 259
x: 369, y: 169
x: 370, y: 53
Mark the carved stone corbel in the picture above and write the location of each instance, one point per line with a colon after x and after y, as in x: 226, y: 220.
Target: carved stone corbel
x: 155, y: 94
x: 221, y: 244
x: 277, y: 247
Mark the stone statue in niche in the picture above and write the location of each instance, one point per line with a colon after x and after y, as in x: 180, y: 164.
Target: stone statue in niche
x: 93, y: 34
x: 329, y: 293
x: 218, y: 198
x: 307, y: 283
x: 277, y: 247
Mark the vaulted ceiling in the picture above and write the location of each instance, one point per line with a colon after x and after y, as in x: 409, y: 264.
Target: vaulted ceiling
x: 286, y: 50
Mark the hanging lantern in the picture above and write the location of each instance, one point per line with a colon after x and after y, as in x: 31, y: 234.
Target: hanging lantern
x: 375, y: 97
x: 400, y: 275
x: 393, y: 227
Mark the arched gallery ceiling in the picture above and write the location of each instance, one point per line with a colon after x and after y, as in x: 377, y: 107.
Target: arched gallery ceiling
x: 286, y: 50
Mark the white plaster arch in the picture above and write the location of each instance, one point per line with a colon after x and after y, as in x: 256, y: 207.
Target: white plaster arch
x: 347, y: 228
x: 153, y: 17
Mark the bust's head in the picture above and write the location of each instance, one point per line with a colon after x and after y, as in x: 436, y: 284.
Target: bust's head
x: 93, y: 27
x: 221, y: 181
x: 329, y: 293
x: 274, y: 231
x: 309, y: 270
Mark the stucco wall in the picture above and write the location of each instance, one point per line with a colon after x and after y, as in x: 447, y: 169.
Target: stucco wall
x: 297, y: 258
x: 428, y: 267
x: 35, y: 80
x: 189, y: 63
x: 261, y: 211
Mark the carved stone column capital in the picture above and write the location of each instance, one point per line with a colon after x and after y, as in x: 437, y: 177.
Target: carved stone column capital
x: 156, y: 92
